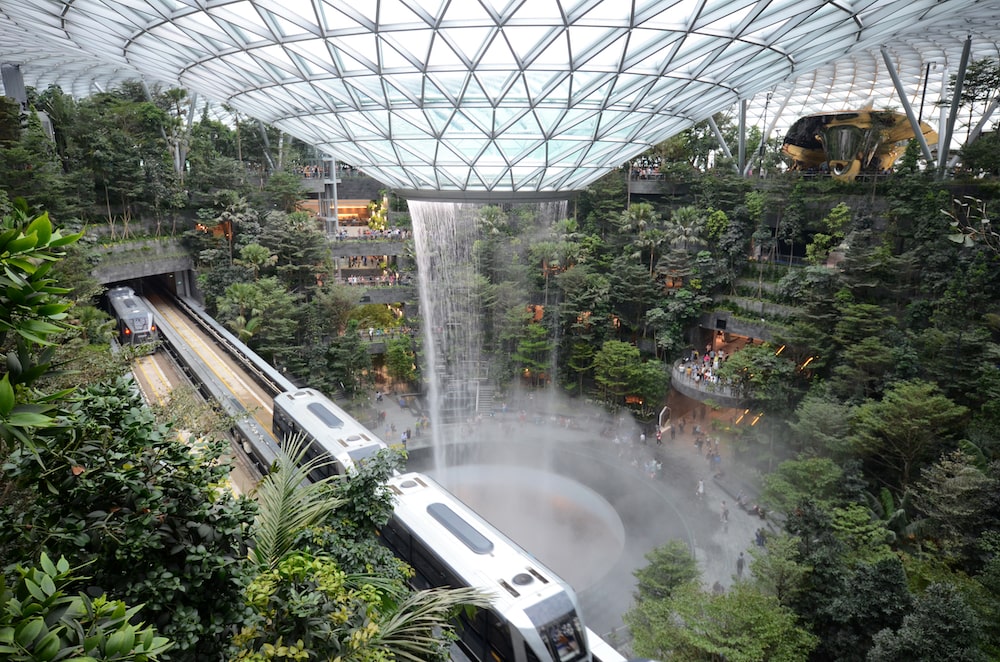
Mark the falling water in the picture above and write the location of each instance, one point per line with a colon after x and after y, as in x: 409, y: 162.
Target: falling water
x: 550, y: 213
x: 444, y: 233
x: 456, y: 369
x: 561, y: 521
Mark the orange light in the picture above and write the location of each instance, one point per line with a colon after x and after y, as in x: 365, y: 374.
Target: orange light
x: 780, y: 350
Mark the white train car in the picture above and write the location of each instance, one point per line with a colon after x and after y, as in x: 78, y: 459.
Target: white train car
x: 534, y: 615
x: 330, y: 430
x: 133, y: 316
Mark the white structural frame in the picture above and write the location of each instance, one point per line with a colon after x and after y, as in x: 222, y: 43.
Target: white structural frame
x: 504, y: 96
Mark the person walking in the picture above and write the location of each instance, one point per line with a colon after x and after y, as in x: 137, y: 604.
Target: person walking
x: 725, y: 513
x: 700, y: 492
x: 740, y: 562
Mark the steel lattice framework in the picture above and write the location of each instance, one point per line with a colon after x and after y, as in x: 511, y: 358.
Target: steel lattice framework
x: 501, y: 95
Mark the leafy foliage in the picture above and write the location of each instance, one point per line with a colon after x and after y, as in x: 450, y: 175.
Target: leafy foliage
x: 912, y: 424
x: 940, y: 627
x: 668, y: 566
x: 958, y: 500
x: 121, y: 493
x: 795, y: 480
x: 40, y: 622
x: 32, y: 310
x: 305, y: 607
x: 741, y: 625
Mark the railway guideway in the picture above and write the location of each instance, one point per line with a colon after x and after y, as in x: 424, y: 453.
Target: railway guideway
x: 220, y: 378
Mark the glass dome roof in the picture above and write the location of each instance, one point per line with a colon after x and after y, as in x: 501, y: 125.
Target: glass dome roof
x: 494, y: 96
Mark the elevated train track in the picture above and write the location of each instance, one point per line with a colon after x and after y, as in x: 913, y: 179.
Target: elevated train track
x: 218, y: 366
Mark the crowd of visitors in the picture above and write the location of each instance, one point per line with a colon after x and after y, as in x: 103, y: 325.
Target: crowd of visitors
x: 703, y: 368
x: 386, y: 278
x: 367, y: 234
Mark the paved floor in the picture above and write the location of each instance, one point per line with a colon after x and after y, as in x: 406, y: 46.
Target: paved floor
x: 653, y: 510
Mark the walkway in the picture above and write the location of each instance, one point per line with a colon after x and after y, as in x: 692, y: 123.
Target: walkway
x: 697, y: 378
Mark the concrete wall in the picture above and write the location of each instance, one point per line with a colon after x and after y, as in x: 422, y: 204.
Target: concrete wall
x: 139, y: 259
x: 758, y: 306
x: 737, y: 326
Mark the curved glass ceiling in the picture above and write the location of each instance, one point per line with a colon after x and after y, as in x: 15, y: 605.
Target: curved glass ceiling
x: 501, y: 95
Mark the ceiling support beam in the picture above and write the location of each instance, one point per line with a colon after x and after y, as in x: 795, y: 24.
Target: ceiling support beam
x: 953, y: 111
x: 907, y: 108
x: 741, y: 162
x: 722, y: 141
x: 13, y: 84
x: 267, y: 145
x: 768, y: 132
x: 987, y: 116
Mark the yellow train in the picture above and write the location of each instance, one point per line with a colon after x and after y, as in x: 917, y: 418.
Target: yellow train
x: 848, y: 143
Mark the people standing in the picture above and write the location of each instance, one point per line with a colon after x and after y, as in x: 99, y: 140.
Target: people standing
x: 740, y: 562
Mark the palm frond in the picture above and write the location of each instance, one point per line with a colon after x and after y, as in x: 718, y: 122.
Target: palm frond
x: 289, y: 502
x: 412, y: 632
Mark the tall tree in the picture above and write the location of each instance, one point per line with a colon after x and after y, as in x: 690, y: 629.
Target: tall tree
x: 778, y: 570
x: 912, y: 424
x: 822, y: 425
x: 348, y: 362
x: 741, y: 625
x: 959, y: 501
x: 638, y: 218
x: 614, y: 364
x: 795, y: 480
x: 534, y: 353
x: 667, y: 567
x: 940, y: 627
x: 686, y: 228
x: 400, y: 360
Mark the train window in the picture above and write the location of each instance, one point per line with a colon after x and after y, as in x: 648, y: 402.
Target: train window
x: 476, y: 621
x: 564, y: 640
x: 425, y: 566
x: 396, y: 540
x: 459, y: 528
x: 471, y: 635
x: 282, y: 422
x: 529, y: 654
x: 557, y: 623
x: 328, y: 418
x: 552, y: 609
x: 325, y: 469
x: 363, y: 453
x: 499, y: 637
